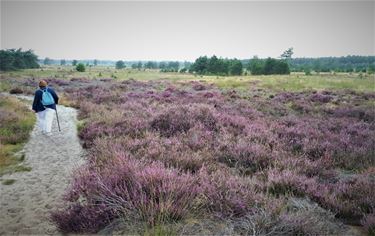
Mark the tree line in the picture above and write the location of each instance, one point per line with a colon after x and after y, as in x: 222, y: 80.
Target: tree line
x: 216, y: 66
x: 336, y: 64
x: 220, y: 66
x: 15, y: 59
x: 321, y: 64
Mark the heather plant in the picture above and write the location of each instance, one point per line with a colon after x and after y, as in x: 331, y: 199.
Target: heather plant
x: 161, y: 153
x: 369, y: 223
x: 126, y: 188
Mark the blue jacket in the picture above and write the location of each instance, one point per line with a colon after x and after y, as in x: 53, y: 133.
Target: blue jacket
x: 37, y: 104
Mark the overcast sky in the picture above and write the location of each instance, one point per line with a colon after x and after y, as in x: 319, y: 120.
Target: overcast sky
x: 185, y: 30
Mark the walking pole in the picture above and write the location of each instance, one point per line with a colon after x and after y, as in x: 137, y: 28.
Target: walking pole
x: 57, y: 116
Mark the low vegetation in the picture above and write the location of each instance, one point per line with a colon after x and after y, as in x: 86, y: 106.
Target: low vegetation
x: 183, y: 154
x: 16, y: 123
x: 162, y: 156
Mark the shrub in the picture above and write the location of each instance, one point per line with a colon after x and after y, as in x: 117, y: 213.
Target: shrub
x: 16, y: 91
x: 369, y: 223
x: 126, y: 188
x: 80, y: 67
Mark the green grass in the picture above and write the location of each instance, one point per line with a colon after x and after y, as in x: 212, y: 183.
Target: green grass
x: 16, y: 123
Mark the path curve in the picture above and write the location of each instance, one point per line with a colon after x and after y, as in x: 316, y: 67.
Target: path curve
x: 27, y: 203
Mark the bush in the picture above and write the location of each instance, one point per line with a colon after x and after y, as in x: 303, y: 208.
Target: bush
x: 129, y: 189
x: 16, y: 91
x: 80, y: 67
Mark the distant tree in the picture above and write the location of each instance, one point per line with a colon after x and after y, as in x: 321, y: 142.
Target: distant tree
x: 120, y: 65
x: 134, y: 66
x: 274, y: 66
x: 150, y: 65
x: 317, y: 66
x: 62, y: 62
x: 139, y: 65
x: 95, y: 62
x: 235, y: 67
x: 80, y: 67
x: 74, y: 62
x: 213, y: 65
x: 200, y: 65
x: 12, y: 59
x: 287, y: 54
x: 162, y: 65
x: 173, y: 66
x: 47, y: 61
x: 256, y: 66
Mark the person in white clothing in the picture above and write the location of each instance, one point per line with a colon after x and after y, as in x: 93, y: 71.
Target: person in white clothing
x: 44, y: 105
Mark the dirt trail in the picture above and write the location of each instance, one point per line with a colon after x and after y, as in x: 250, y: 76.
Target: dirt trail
x: 27, y: 203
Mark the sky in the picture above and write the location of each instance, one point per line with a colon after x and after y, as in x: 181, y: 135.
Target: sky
x: 181, y: 30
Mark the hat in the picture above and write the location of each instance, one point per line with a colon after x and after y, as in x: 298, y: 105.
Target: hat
x: 42, y: 83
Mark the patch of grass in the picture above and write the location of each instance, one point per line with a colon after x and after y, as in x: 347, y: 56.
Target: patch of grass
x: 16, y: 123
x: 8, y: 181
x: 160, y: 230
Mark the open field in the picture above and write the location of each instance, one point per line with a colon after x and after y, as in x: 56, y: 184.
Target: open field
x: 293, y: 82
x: 174, y: 154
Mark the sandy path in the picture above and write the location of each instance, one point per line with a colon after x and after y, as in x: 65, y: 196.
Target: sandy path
x: 26, y: 204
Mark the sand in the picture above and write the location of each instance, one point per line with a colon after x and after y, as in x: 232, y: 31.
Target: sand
x: 27, y: 203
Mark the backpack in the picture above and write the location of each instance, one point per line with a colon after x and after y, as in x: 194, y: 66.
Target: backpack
x: 47, y: 98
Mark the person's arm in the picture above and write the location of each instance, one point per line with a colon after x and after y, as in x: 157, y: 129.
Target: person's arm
x: 54, y: 95
x: 36, y: 100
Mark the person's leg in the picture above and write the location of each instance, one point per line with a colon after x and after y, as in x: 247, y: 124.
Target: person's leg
x: 41, y: 120
x: 50, y: 113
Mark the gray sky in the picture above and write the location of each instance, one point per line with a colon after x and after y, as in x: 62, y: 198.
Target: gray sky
x: 185, y: 30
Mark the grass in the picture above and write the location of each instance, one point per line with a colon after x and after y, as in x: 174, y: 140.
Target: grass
x: 17, y: 121
x: 293, y: 82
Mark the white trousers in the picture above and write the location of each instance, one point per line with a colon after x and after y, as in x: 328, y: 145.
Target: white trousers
x: 45, y: 119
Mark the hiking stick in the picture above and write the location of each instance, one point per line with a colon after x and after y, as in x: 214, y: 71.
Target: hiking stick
x: 57, y: 116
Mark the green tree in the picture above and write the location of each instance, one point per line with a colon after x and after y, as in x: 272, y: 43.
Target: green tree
x: 120, y: 65
x: 200, y: 65
x: 139, y: 65
x: 12, y: 59
x: 256, y: 66
x: 235, y: 67
x: 80, y: 67
x: 287, y: 54
x: 150, y: 65
x: 47, y: 61
x: 74, y: 62
x: 62, y: 62
x: 95, y: 62
x: 162, y: 65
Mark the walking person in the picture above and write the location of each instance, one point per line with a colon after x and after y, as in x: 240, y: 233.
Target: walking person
x: 44, y: 105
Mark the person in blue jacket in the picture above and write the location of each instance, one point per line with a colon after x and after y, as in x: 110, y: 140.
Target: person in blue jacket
x: 44, y: 104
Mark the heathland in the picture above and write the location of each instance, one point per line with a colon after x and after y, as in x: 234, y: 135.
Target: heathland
x: 177, y: 153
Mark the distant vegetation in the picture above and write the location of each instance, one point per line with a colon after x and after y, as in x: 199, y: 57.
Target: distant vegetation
x: 270, y: 66
x: 326, y: 64
x: 120, y: 65
x: 80, y: 67
x: 13, y: 59
x: 216, y: 66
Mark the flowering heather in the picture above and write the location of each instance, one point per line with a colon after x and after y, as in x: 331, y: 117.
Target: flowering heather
x: 163, y: 153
